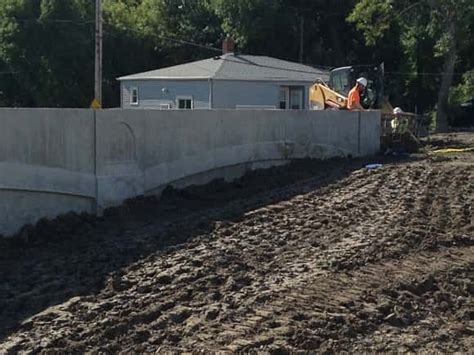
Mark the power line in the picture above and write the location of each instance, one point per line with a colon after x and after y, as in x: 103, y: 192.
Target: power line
x: 247, y: 62
x: 165, y: 38
x: 180, y: 41
x: 40, y: 21
x: 220, y: 51
x: 420, y: 73
x: 319, y: 11
x: 210, y: 48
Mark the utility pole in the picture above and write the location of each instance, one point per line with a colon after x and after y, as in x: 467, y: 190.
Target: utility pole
x: 97, y: 103
x: 301, y: 38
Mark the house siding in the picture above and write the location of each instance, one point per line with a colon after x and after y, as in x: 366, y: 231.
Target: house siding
x: 226, y: 94
x: 229, y: 94
x: 151, y: 94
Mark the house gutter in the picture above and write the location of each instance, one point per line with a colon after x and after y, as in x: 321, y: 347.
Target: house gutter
x: 211, y: 94
x: 121, y: 95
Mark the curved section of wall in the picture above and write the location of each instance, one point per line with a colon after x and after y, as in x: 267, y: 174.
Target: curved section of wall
x: 53, y: 161
x: 245, y: 156
x: 118, y: 174
x: 30, y: 192
x: 183, y: 147
x: 227, y: 173
x: 121, y: 144
x: 22, y: 177
x: 46, y: 165
x: 19, y: 207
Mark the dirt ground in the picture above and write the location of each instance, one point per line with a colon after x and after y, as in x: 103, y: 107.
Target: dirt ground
x: 318, y: 256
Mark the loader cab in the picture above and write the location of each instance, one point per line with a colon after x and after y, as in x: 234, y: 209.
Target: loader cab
x: 342, y: 80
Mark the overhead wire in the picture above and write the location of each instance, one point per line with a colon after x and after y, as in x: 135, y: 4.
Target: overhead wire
x: 39, y: 21
x: 166, y: 38
x: 202, y: 46
x: 420, y: 73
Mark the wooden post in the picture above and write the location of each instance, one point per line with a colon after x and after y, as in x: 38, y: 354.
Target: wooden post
x: 98, y: 55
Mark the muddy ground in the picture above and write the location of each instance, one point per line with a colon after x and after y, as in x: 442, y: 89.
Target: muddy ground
x: 318, y: 256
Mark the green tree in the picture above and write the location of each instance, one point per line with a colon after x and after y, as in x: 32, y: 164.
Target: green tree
x: 450, y: 24
x: 257, y: 25
x: 273, y: 27
x: 432, y: 33
x: 126, y: 47
x: 18, y: 42
x: 148, y: 34
x: 45, y: 45
x: 464, y: 91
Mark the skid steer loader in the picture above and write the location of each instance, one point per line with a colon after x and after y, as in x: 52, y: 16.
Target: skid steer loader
x: 333, y: 95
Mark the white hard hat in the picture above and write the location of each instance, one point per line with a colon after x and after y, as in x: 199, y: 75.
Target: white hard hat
x: 362, y: 81
x: 397, y: 110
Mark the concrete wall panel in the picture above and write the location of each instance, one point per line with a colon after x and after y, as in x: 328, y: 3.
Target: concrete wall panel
x: 54, y: 161
x: 17, y: 176
x: 46, y: 164
x: 60, y: 138
x: 175, y: 146
x: 370, y: 128
x: 20, y: 207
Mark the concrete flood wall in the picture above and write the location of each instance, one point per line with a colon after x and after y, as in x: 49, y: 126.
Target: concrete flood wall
x: 46, y: 165
x: 53, y: 161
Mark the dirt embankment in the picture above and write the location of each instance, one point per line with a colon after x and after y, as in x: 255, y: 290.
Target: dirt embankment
x: 323, y: 256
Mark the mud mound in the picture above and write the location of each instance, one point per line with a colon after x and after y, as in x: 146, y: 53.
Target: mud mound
x: 323, y: 257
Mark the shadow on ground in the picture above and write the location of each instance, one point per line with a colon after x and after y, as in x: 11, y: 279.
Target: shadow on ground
x: 75, y: 255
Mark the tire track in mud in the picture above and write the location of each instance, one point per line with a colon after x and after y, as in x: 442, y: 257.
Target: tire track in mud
x: 341, y: 301
x: 335, y: 286
x: 326, y: 270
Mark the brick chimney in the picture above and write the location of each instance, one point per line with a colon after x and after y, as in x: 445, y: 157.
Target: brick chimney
x: 228, y: 45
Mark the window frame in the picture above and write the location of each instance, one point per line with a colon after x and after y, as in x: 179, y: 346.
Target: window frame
x: 289, y: 91
x: 184, y: 98
x: 286, y: 90
x: 132, y: 89
x: 300, y: 103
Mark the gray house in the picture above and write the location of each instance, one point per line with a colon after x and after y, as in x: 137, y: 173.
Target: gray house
x: 228, y: 81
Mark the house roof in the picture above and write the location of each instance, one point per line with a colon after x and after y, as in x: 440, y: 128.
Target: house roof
x: 236, y: 67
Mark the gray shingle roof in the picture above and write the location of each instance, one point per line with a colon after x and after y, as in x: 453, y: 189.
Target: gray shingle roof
x: 236, y: 67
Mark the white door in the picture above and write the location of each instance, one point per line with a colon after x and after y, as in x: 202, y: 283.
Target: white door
x: 296, y: 99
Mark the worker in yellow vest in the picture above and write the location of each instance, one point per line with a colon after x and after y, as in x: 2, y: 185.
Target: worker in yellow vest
x: 399, y: 123
x: 401, y: 133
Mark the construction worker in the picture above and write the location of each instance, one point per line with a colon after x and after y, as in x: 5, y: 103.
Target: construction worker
x: 353, y: 99
x: 399, y: 124
x: 401, y: 134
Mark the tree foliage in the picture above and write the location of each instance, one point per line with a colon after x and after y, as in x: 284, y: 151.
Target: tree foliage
x: 432, y: 33
x: 47, y: 46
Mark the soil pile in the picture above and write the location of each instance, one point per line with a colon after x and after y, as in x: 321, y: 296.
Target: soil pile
x: 325, y: 256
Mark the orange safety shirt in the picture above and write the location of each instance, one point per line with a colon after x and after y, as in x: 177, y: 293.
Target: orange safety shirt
x: 353, y: 99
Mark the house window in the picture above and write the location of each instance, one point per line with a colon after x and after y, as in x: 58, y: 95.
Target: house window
x: 296, y: 98
x: 134, y: 96
x: 185, y: 102
x: 284, y: 97
x: 291, y: 97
